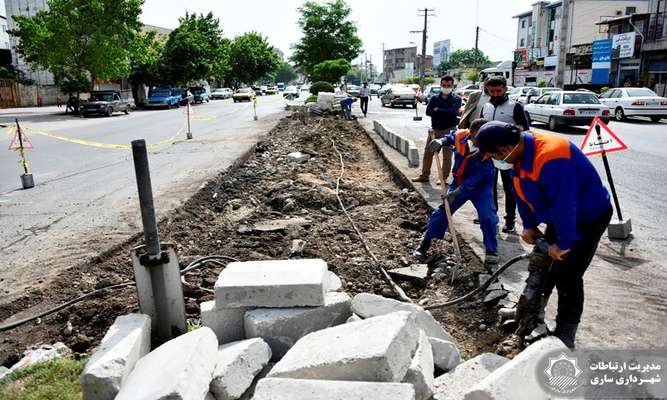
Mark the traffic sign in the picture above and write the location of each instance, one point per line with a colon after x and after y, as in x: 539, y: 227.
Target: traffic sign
x: 24, y: 142
x: 602, y: 140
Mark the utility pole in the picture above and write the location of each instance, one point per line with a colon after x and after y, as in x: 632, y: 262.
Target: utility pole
x: 476, y: 46
x: 424, y: 12
x: 563, y: 40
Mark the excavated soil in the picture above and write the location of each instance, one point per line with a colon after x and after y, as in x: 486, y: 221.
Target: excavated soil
x: 236, y: 215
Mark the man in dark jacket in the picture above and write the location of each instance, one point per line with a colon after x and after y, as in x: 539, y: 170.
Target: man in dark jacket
x: 444, y: 111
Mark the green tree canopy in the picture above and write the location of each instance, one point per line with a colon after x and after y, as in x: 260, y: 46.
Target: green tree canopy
x: 193, y: 49
x: 145, y: 60
x: 285, y: 73
x: 465, y: 58
x: 251, y: 58
x: 80, y: 40
x: 331, y: 70
x: 328, y: 34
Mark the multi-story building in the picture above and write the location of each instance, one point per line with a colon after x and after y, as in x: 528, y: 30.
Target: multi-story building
x: 441, y: 51
x: 538, y: 38
x: 4, y: 36
x: 654, y: 48
x: 396, y: 59
x: 30, y: 8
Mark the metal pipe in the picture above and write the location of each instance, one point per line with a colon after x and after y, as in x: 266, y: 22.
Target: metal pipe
x: 148, y: 220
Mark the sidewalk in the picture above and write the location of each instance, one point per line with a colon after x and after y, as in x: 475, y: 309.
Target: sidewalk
x: 618, y: 284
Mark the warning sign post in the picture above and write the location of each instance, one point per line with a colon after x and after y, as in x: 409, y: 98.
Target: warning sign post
x: 601, y: 140
x: 21, y: 142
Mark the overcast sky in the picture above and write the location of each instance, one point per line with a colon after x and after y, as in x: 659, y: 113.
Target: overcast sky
x: 378, y: 21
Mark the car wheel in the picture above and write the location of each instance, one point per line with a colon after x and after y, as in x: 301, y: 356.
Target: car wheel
x: 530, y: 122
x: 109, y: 112
x: 656, y: 119
x: 619, y: 115
x: 553, y: 124
x: 127, y: 111
x: 178, y: 105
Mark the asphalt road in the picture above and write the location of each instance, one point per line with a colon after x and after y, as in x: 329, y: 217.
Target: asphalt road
x: 85, y: 196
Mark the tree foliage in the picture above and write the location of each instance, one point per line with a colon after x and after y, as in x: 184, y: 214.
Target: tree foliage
x: 251, y: 58
x: 321, y: 86
x: 328, y: 34
x: 285, y: 73
x: 145, y: 62
x: 464, y: 58
x: 331, y: 70
x: 80, y: 40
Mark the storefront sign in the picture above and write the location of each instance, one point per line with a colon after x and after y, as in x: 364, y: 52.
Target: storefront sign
x: 624, y: 43
x: 601, y: 61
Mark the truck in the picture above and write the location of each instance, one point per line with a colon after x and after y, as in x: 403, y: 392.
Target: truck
x: 163, y: 97
x: 106, y: 102
x: 503, y: 69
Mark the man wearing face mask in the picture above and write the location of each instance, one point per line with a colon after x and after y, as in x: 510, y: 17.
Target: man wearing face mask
x: 443, y: 110
x: 473, y: 180
x: 501, y: 108
x: 555, y: 184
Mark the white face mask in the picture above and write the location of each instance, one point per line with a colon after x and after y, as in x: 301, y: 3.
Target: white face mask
x: 471, y: 146
x: 446, y: 91
x: 502, y: 164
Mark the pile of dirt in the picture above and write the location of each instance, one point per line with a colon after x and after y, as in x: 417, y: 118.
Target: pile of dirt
x: 268, y: 208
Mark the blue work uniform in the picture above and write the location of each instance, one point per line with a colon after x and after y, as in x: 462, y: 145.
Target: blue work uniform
x: 474, y: 175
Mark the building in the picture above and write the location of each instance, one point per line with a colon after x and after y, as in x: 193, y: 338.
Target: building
x: 538, y: 39
x: 30, y: 8
x: 397, y: 59
x: 4, y: 36
x: 654, y: 48
x: 160, y: 32
x: 441, y: 51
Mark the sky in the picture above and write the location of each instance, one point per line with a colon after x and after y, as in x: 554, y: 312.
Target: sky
x: 378, y: 22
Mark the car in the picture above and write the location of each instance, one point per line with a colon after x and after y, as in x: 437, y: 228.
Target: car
x: 291, y: 92
x: 429, y: 92
x: 264, y: 88
x: 200, y: 94
x: 375, y: 88
x: 465, y: 94
x: 353, y: 90
x: 105, y: 102
x: 383, y: 90
x: 473, y: 86
x: 271, y: 90
x: 517, y: 92
x: 244, y: 94
x: 535, y: 93
x: 221, y: 93
x: 163, y: 97
x: 568, y: 108
x: 398, y: 95
x: 281, y: 86
x: 635, y: 102
x: 258, y: 90
x: 186, y: 97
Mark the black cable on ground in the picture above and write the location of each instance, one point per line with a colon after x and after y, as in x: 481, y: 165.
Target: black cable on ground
x: 193, y: 265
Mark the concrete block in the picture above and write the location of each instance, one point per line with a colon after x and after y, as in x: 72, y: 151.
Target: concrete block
x: 420, y: 373
x: 376, y: 126
x: 353, y: 318
x: 446, y: 355
x: 307, y: 389
x: 237, y: 365
x: 227, y: 323
x: 510, y: 380
x: 368, y: 305
x: 125, y: 342
x: 282, y: 327
x: 377, y: 349
x: 494, y: 296
x: 180, y: 369
x: 418, y: 272
x: 413, y: 155
x: 453, y: 385
x: 280, y: 283
x: 405, y: 147
x: 619, y: 230
x: 334, y: 283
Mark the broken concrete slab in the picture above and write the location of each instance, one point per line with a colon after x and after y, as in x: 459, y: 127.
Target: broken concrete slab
x: 275, y: 283
x: 421, y: 374
x: 413, y: 155
x: 482, y: 278
x: 185, y: 366
x: 413, y: 272
x: 296, y: 248
x: 509, y: 381
x: 274, y: 225
x: 446, y: 355
x: 334, y: 283
x: 368, y: 305
x: 310, y: 389
x: 125, y: 342
x: 377, y: 349
x: 454, y: 384
x: 237, y: 365
x: 282, y: 327
x: 494, y: 296
x: 4, y: 371
x: 40, y: 353
x: 353, y: 318
x: 299, y: 156
x: 227, y: 323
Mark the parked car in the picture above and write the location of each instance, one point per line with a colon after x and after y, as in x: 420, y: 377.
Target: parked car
x: 258, y: 91
x: 163, y: 97
x: 105, y: 102
x: 244, y: 94
x: 517, y: 92
x: 353, y: 90
x: 281, y: 86
x: 383, y: 90
x: 291, y: 92
x: 567, y: 108
x: 186, y: 97
x: 398, y: 95
x: 200, y: 94
x: 635, y: 102
x: 429, y: 92
x: 222, y: 93
x: 535, y: 93
x: 459, y: 91
x: 375, y: 88
x: 271, y: 90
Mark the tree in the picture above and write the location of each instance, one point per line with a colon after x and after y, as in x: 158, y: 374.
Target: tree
x: 328, y: 34
x: 194, y: 49
x: 251, y: 58
x: 80, y: 41
x: 472, y: 75
x: 145, y: 60
x: 331, y: 70
x: 285, y: 73
x: 465, y: 58
x: 353, y: 74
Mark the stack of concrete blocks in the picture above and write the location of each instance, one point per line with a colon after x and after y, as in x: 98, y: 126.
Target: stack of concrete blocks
x: 404, y: 146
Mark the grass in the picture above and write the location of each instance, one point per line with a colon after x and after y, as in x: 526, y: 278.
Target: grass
x: 56, y: 379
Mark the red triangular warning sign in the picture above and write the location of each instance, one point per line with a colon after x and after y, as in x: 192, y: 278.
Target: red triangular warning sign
x: 607, y: 141
x: 15, y: 144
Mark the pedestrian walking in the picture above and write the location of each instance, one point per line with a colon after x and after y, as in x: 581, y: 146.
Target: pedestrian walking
x: 443, y: 110
x: 554, y: 184
x: 473, y: 181
x: 346, y: 105
x: 364, y: 96
x: 474, y: 106
x: 343, y: 87
x: 501, y: 108
x: 59, y: 102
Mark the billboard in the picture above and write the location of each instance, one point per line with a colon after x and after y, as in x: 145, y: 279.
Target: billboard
x: 441, y: 52
x: 624, y: 44
x: 601, y: 61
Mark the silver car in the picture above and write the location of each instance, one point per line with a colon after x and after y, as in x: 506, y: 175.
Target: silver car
x: 398, y: 95
x: 635, y: 102
x: 535, y: 93
x: 566, y: 108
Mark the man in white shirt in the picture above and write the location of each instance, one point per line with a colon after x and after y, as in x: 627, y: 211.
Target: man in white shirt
x: 364, y: 96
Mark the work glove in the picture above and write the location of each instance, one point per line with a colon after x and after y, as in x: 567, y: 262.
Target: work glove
x: 435, y: 145
x: 451, y: 196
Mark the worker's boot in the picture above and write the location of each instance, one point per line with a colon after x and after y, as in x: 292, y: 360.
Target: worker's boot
x: 420, y: 178
x: 491, y: 258
x: 509, y: 226
x: 541, y: 329
x: 566, y: 332
x: 422, y: 250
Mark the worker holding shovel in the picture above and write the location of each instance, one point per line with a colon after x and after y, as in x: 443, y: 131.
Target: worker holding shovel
x: 473, y: 181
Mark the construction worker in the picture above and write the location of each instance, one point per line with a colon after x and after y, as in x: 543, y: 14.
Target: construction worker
x: 555, y: 184
x: 473, y: 180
